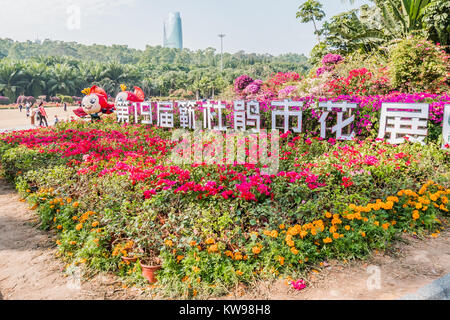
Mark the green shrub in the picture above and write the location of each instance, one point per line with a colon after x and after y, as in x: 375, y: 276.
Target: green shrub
x: 419, y: 65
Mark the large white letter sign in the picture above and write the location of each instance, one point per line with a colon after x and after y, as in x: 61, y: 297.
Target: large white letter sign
x: 147, y: 117
x: 208, y: 116
x: 446, y: 127
x: 123, y: 112
x: 341, y: 123
x: 286, y: 113
x: 187, y: 114
x: 165, y: 114
x: 249, y: 116
x: 402, y: 120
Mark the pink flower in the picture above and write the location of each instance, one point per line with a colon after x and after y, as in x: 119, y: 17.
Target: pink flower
x: 298, y: 284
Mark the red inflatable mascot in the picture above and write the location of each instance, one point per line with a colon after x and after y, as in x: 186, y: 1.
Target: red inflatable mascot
x: 94, y: 103
x: 127, y: 96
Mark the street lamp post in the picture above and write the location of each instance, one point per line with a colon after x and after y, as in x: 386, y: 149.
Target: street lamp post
x: 221, y: 36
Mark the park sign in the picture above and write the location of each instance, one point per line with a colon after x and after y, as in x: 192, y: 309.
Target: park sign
x: 398, y: 121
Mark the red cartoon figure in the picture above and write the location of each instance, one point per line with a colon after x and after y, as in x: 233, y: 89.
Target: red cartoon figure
x: 94, y: 103
x: 127, y: 96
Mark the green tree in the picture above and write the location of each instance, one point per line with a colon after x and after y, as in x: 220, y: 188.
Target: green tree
x: 309, y: 11
x: 13, y: 79
x: 436, y: 21
x: 62, y: 80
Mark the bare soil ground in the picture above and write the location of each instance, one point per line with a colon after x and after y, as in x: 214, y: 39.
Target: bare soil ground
x: 409, y: 265
x: 30, y: 270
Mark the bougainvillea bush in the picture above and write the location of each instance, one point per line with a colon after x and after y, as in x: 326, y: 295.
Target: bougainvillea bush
x: 112, y: 190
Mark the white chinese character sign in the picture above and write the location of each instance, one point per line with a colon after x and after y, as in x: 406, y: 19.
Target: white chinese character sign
x: 123, y: 112
x: 290, y: 109
x: 404, y: 120
x: 247, y: 115
x: 164, y: 113
x: 210, y: 114
x: 145, y: 110
x: 187, y: 114
x: 341, y: 123
x: 446, y: 127
x: 398, y: 121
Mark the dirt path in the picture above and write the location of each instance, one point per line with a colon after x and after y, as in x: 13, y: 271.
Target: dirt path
x: 385, y: 276
x: 13, y: 118
x: 28, y: 267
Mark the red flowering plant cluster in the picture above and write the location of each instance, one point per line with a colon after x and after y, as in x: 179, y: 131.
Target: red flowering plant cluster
x: 113, y: 191
x: 359, y: 82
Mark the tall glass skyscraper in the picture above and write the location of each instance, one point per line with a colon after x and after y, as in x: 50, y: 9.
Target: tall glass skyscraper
x: 173, y: 31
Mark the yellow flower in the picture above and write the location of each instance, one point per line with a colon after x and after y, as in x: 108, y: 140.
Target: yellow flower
x: 328, y: 214
x: 169, y: 243
x: 336, y: 235
x: 282, y: 226
x: 294, y: 250
x: 210, y: 241
x: 363, y: 234
x: 193, y: 243
x: 281, y: 260
x: 75, y: 205
x: 385, y: 225
x: 347, y: 228
x: 274, y: 234
x: 327, y: 240
x: 415, y: 215
x: 239, y: 273
x: 179, y: 258
x: 79, y: 227
x: 95, y: 224
x: 256, y: 250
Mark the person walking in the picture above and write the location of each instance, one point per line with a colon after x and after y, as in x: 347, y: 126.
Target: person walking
x: 56, y: 120
x: 65, y: 107
x: 42, y: 115
x: 27, y: 109
x: 20, y: 107
x: 33, y: 114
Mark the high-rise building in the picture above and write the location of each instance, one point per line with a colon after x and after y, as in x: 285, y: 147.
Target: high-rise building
x: 173, y: 31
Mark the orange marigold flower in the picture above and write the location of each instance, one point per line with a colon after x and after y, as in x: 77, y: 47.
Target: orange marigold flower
x: 79, y: 227
x: 327, y: 240
x: 256, y: 250
x: 168, y: 243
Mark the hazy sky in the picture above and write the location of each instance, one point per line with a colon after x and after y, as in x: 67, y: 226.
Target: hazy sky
x: 262, y: 26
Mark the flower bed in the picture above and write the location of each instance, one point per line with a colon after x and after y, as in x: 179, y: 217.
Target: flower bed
x: 112, y: 191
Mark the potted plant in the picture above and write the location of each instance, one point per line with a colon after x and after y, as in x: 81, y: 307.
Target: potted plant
x: 150, y: 265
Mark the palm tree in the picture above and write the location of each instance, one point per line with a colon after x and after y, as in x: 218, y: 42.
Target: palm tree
x: 13, y: 79
x: 62, y: 80
x: 38, y: 75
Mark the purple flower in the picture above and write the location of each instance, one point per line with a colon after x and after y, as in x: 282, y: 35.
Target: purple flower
x: 331, y: 59
x: 242, y: 82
